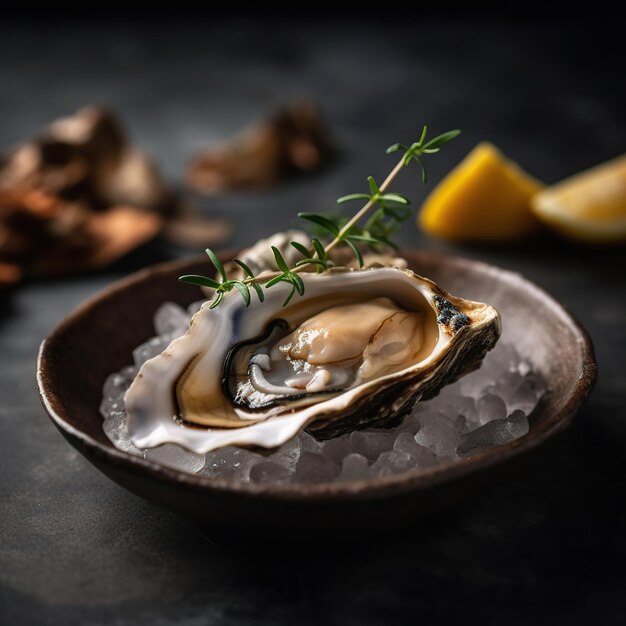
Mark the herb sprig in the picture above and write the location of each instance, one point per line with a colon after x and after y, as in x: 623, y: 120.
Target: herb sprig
x: 388, y: 210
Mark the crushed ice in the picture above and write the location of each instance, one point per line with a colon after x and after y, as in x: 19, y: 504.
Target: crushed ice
x: 486, y: 408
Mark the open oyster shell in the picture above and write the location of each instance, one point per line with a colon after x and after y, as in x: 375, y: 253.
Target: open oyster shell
x: 254, y: 377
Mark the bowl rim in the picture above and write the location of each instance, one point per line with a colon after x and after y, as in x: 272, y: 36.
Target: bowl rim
x: 417, y: 479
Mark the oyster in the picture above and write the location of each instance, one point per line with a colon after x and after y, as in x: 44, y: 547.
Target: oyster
x: 359, y: 348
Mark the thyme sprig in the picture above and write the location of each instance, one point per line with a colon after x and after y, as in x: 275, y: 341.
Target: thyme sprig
x: 388, y: 210
x: 225, y: 285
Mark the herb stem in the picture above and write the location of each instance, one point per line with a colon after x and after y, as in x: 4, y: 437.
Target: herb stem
x: 366, y: 208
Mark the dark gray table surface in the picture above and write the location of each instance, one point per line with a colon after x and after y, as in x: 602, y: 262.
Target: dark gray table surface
x: 548, y: 548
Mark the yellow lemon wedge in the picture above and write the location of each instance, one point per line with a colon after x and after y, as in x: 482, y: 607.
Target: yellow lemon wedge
x: 590, y: 206
x: 486, y: 198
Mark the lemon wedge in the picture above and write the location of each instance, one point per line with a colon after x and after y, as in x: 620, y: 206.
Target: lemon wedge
x: 486, y: 198
x: 590, y: 206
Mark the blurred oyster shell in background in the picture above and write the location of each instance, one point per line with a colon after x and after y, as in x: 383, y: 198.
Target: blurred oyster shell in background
x: 43, y: 235
x: 293, y: 140
x: 77, y: 197
x: 87, y: 157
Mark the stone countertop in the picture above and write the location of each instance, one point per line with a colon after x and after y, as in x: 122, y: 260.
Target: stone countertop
x: 548, y: 548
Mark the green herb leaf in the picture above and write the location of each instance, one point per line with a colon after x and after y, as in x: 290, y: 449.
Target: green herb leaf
x: 247, y: 271
x: 312, y: 261
x: 280, y: 261
x: 373, y: 186
x: 395, y: 197
x: 439, y: 140
x: 218, y: 299
x: 303, y: 250
x: 352, y: 196
x: 357, y: 252
x: 298, y: 282
x: 243, y: 290
x: 291, y: 294
x: 259, y: 291
x: 322, y: 221
x: 421, y: 163
x: 396, y: 147
x: 363, y: 238
x: 274, y: 281
x: 388, y: 242
x: 202, y: 281
x: 217, y: 263
x: 408, y: 157
x: 423, y: 136
x: 319, y: 248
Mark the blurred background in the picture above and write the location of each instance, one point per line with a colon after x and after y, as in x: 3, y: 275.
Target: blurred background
x: 152, y: 174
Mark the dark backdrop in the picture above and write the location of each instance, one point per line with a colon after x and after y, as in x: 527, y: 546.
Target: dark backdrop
x: 548, y: 548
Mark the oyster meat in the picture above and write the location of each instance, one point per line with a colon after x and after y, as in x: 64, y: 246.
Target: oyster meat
x: 358, y: 349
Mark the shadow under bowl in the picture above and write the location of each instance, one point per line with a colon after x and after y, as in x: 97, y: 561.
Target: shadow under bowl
x: 99, y: 337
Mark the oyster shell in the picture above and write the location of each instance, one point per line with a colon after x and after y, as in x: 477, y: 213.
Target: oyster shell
x: 359, y: 348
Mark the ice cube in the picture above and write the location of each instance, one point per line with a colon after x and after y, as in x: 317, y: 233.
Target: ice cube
x: 230, y: 462
x: 405, y: 442
x: 464, y: 405
x: 372, y: 442
x: 176, y: 457
x: 268, y: 472
x: 461, y: 424
x: 502, y: 358
x: 315, y: 468
x: 337, y: 449
x: 129, y: 372
x: 506, y: 386
x: 423, y: 457
x: 150, y: 349
x: 308, y: 443
x: 354, y: 467
x: 287, y: 455
x: 438, y: 433
x: 495, y: 433
x: 528, y: 394
x: 171, y: 320
x: 115, y: 429
x: 115, y: 386
x: 410, y: 424
x: 112, y: 404
x: 490, y: 407
x: 393, y: 462
x: 453, y: 404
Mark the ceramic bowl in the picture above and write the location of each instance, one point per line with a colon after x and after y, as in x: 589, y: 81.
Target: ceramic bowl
x: 98, y: 338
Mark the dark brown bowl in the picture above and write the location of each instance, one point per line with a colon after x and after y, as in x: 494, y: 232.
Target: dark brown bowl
x: 99, y: 337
